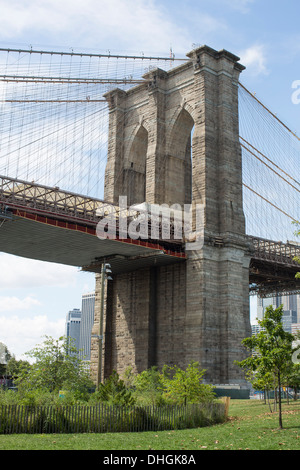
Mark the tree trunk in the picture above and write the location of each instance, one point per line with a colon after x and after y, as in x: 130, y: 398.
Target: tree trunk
x: 268, y: 398
x: 275, y: 399
x: 279, y: 401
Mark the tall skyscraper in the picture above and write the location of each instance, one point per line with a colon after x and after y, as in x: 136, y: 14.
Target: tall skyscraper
x: 73, y: 321
x: 263, y: 303
x: 87, y: 321
x: 291, y: 309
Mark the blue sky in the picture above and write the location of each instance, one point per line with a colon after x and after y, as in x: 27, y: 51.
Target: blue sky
x: 35, y: 297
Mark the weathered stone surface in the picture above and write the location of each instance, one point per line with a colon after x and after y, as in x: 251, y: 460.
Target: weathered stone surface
x: 198, y: 310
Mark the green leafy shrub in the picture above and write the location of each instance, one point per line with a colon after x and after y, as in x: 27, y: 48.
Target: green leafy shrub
x: 114, y: 392
x: 185, y: 386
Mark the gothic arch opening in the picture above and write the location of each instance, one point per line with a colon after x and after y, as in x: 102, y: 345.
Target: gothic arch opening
x: 179, y: 161
x: 135, y: 168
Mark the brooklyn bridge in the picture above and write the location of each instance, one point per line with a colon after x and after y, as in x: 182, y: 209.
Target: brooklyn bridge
x: 80, y: 130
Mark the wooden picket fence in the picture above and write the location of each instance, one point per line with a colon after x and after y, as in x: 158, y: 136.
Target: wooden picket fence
x: 104, y: 418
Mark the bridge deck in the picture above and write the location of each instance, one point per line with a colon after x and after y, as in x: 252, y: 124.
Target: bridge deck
x: 273, y: 267
x: 48, y: 224
x: 48, y: 239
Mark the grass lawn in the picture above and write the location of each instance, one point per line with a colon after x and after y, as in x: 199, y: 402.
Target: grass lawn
x: 250, y: 426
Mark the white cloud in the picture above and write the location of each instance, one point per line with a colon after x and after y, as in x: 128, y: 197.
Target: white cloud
x: 144, y: 23
x: 24, y: 15
x: 254, y: 58
x: 17, y: 272
x: 243, y: 6
x: 22, y: 334
x: 14, y: 303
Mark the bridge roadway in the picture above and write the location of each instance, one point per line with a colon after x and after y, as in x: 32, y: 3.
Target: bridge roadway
x: 44, y: 223
x: 48, y: 224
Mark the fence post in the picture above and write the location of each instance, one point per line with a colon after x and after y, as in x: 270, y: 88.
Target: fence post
x: 226, y: 401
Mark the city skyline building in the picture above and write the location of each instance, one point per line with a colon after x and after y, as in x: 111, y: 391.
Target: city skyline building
x: 87, y: 321
x: 79, y: 324
x: 72, y: 328
x: 291, y: 309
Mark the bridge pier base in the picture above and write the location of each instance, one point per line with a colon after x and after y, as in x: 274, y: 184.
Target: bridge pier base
x: 217, y: 311
x: 197, y: 310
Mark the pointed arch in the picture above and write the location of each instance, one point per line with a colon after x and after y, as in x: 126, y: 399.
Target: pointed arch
x: 179, y: 160
x: 134, y: 183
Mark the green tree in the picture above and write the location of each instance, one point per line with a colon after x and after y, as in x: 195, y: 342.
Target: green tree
x: 273, y: 348
x: 15, y: 367
x: 149, y: 384
x: 185, y: 386
x: 294, y: 379
x: 297, y: 258
x: 260, y: 379
x: 57, y: 366
x: 114, y: 391
x: 5, y: 356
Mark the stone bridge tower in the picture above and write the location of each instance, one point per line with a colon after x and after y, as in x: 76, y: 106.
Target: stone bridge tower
x: 175, y: 139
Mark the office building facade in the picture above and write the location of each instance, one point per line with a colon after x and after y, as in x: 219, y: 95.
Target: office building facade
x: 87, y: 321
x: 291, y: 309
x: 72, y: 329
